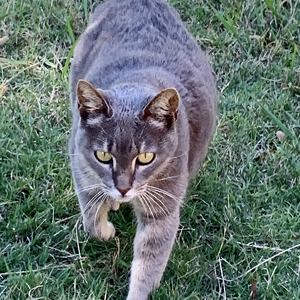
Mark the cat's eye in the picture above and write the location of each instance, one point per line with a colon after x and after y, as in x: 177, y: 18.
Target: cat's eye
x: 103, y: 157
x: 145, y: 158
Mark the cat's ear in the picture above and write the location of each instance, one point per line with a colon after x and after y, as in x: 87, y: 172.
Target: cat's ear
x: 91, y: 100
x: 163, y: 108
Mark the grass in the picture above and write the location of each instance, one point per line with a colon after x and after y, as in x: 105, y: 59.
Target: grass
x: 240, y: 229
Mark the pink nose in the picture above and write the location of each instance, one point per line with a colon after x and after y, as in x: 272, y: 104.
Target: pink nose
x: 123, y: 191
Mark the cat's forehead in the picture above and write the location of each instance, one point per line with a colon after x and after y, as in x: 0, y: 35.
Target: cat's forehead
x: 130, y: 98
x: 129, y: 136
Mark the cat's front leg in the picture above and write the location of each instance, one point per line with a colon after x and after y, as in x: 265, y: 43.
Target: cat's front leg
x: 152, y: 247
x: 96, y: 222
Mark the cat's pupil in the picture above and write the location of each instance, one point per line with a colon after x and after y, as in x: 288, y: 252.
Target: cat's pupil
x: 103, y: 157
x: 145, y: 158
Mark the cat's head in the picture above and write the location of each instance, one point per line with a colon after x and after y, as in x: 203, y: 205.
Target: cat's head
x: 126, y: 137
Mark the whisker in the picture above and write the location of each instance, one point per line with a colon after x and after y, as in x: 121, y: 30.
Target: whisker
x: 98, y: 202
x: 142, y: 202
x: 153, y: 188
x: 159, y: 209
x: 106, y: 197
x: 184, y: 153
x: 147, y: 204
x: 89, y: 205
x: 88, y: 188
x: 73, y: 154
x: 160, y: 203
x: 96, y: 214
x: 93, y: 201
x: 160, y: 191
x: 154, y: 211
x: 166, y: 178
x: 92, y: 205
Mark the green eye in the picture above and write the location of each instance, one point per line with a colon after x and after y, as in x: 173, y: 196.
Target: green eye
x: 103, y: 157
x: 145, y: 158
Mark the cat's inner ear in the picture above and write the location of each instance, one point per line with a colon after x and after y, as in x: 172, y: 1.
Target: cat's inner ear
x: 163, y: 108
x: 91, y: 100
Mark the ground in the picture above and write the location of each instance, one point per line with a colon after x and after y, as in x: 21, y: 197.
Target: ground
x: 239, y: 233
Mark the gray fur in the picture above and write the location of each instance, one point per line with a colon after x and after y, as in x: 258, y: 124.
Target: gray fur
x: 139, y: 83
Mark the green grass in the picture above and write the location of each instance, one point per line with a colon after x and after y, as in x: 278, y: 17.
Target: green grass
x: 240, y: 230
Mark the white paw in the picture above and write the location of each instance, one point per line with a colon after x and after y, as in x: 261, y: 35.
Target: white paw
x: 106, y: 231
x: 115, y: 206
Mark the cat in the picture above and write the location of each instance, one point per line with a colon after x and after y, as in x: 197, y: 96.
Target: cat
x: 144, y: 109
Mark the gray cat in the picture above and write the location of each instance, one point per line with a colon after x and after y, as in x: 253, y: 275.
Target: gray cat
x: 144, y: 108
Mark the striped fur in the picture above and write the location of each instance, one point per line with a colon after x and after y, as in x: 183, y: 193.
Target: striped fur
x: 139, y: 84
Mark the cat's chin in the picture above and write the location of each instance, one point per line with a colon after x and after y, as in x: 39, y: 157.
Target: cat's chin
x: 124, y: 199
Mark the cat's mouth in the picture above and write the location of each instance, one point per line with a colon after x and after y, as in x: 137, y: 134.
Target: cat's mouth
x: 123, y: 196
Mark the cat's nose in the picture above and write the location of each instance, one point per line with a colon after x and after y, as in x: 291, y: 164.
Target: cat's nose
x: 123, y: 191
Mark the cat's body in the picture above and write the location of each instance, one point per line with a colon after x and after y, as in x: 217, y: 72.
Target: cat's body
x: 144, y: 107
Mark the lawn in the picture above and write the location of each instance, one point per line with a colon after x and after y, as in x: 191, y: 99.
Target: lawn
x: 239, y: 236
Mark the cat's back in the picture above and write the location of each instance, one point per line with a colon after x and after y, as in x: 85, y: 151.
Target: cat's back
x: 134, y: 34
x: 138, y: 24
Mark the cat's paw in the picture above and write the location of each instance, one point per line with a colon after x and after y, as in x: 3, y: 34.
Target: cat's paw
x: 115, y: 206
x: 106, y: 231
x: 103, y: 231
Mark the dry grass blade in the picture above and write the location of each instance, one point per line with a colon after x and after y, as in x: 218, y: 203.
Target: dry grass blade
x: 3, y: 40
